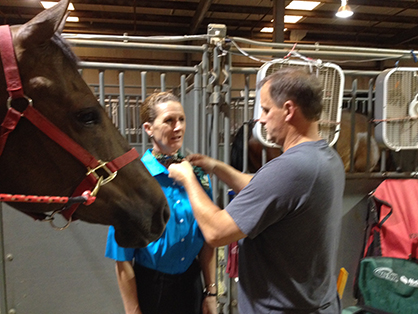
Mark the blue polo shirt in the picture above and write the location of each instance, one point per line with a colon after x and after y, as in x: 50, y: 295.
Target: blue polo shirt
x: 181, y: 241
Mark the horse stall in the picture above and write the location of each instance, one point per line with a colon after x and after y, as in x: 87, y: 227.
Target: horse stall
x: 48, y: 271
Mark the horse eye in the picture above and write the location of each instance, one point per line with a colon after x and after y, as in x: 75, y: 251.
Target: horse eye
x: 88, y: 117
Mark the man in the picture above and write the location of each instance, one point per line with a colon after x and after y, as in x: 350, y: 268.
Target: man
x: 287, y: 217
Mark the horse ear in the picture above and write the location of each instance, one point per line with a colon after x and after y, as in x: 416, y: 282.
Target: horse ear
x: 62, y: 24
x: 43, y: 26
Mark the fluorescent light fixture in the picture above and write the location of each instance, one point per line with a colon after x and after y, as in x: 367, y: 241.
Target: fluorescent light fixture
x: 303, y: 5
x: 267, y: 30
x: 344, y: 11
x: 292, y: 18
x: 72, y: 19
x: 50, y: 4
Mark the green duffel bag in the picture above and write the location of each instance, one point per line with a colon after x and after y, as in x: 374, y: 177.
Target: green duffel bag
x: 389, y: 284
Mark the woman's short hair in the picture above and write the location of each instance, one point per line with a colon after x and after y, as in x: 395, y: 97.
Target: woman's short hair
x: 148, y: 112
x: 299, y: 86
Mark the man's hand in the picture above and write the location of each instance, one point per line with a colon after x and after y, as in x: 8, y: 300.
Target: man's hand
x: 181, y: 172
x: 207, y: 163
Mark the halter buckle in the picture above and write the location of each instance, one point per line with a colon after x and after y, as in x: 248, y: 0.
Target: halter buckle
x: 101, y: 180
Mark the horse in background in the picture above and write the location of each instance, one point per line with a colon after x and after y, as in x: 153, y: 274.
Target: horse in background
x: 342, y: 146
x: 255, y: 149
x: 33, y: 163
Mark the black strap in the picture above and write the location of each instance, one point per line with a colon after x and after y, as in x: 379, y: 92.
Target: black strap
x: 371, y: 310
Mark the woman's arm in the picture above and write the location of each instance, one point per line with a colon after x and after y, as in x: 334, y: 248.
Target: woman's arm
x: 207, y: 259
x: 127, y: 286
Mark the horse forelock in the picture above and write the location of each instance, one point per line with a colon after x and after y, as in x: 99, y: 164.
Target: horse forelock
x: 65, y: 48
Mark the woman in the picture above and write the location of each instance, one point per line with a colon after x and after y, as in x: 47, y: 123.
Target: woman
x: 165, y: 277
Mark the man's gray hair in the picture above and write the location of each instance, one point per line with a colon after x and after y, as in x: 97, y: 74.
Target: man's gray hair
x: 299, y: 86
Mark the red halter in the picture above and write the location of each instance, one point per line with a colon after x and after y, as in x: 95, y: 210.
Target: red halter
x: 92, y: 181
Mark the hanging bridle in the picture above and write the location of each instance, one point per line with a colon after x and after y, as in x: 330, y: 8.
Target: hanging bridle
x: 92, y: 181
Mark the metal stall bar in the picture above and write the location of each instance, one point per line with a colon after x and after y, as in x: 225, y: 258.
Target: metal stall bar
x: 369, y: 112
x: 151, y: 43
x: 224, y: 300
x: 122, y: 101
x: 205, y: 82
x: 323, y: 50
x: 3, y: 291
x: 143, y: 96
x: 215, y: 99
x: 196, y: 112
x: 162, y: 82
x: 102, y: 88
x: 121, y: 121
x: 227, y: 119
x: 135, y: 67
x: 246, y: 125
x: 352, y: 124
x: 182, y: 99
x: 127, y: 38
x: 141, y: 46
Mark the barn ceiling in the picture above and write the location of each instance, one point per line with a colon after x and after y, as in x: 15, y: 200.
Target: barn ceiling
x: 375, y: 23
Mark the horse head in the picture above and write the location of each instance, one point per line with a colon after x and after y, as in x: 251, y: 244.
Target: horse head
x: 360, y: 134
x: 33, y: 164
x: 255, y: 150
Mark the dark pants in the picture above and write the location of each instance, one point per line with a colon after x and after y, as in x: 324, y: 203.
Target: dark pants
x: 160, y: 293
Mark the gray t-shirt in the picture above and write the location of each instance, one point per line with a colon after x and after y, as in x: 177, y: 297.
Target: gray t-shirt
x: 291, y: 212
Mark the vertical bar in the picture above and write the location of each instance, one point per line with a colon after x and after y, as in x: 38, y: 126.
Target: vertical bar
x: 128, y: 119
x: 246, y: 125
x: 353, y: 123
x: 214, y: 145
x: 215, y: 110
x: 227, y: 121
x: 122, y: 122
x: 227, y: 159
x: 278, y: 24
x: 144, y: 95
x: 182, y: 98
x: 162, y: 81
x: 110, y: 109
x: 196, y: 107
x: 205, y: 70
x: 369, y: 111
x: 137, y: 119
x: 3, y: 291
x: 101, y: 88
x: 263, y: 156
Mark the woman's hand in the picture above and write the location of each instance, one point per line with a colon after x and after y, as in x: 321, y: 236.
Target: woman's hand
x: 209, y: 305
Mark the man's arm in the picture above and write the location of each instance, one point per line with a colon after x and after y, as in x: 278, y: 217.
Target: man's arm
x: 127, y: 286
x: 217, y: 225
x: 235, y: 179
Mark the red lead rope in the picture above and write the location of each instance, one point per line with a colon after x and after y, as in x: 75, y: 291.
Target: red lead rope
x: 85, y: 198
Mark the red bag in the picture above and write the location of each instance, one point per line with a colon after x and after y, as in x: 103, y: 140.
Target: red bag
x: 232, y: 264
x: 394, y: 233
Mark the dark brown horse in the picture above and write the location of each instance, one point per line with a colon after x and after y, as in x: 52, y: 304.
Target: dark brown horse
x: 255, y: 149
x: 32, y: 163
